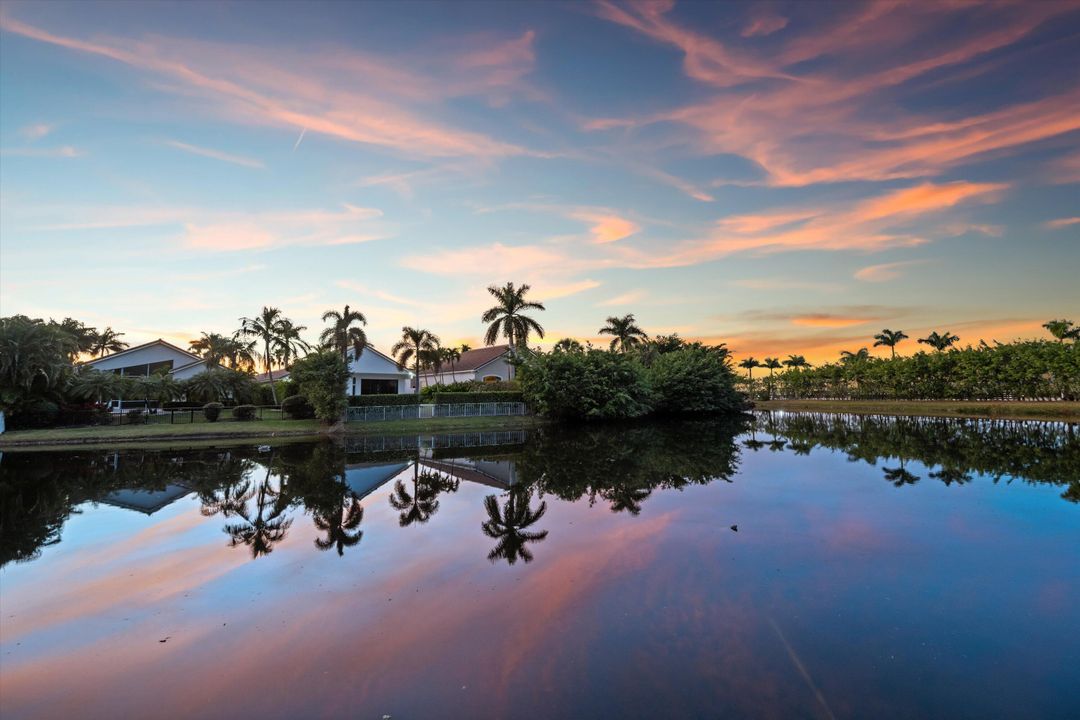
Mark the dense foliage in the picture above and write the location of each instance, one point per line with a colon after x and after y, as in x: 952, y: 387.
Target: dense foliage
x: 322, y: 377
x: 593, y: 385
x: 694, y: 380
x: 377, y: 400
x: 1023, y: 370
x: 452, y: 398
x: 296, y: 407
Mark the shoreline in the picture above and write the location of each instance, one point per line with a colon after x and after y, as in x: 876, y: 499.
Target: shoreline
x: 1062, y: 411
x: 277, y: 430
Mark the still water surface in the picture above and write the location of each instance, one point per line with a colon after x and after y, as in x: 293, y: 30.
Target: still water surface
x: 813, y: 566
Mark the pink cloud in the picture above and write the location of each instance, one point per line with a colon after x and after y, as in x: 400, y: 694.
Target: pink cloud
x: 606, y: 228
x: 1061, y: 223
x: 885, y: 271
x: 764, y: 23
x: 215, y: 154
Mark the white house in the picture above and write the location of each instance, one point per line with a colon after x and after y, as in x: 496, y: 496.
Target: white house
x: 149, y: 358
x: 486, y: 364
x: 374, y: 373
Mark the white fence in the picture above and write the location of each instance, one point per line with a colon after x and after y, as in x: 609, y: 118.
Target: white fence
x: 380, y: 413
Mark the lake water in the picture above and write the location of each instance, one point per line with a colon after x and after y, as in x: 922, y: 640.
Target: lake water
x: 800, y: 566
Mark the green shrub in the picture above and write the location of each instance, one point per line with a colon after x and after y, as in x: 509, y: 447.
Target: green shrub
x: 322, y: 377
x: 372, y: 400
x: 244, y: 412
x: 594, y: 385
x: 211, y: 411
x: 451, y: 398
x: 694, y: 380
x: 297, y: 407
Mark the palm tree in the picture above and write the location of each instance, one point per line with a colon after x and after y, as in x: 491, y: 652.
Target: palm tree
x: 93, y: 384
x: 750, y: 363
x: 506, y: 317
x: 569, y: 345
x: 890, y: 339
x: 419, y: 506
x: 213, y: 347
x: 796, y: 361
x: 340, y: 522
x: 1062, y: 330
x: 465, y: 347
x: 852, y: 358
x: 267, y: 329
x: 450, y: 355
x: 624, y: 331
x: 415, y: 345
x: 160, y: 386
x: 772, y: 364
x: 939, y: 341
x: 84, y: 337
x: 344, y: 332
x: 508, y: 526
x: 108, y: 341
x: 290, y: 344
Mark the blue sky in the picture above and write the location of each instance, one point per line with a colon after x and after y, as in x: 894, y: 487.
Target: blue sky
x: 783, y: 177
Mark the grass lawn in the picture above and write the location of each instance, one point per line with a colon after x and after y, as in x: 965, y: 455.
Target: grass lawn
x: 937, y: 408
x: 174, y: 435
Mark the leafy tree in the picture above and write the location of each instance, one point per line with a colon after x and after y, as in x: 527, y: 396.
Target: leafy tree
x: 322, y: 376
x: 34, y: 363
x: 594, y: 385
x: 345, y: 332
x: 890, y: 339
x: 214, y: 348
x: 693, y: 380
x: 568, y: 345
x: 108, y: 341
x: 508, y: 319
x: 796, y: 362
x: 85, y: 338
x: 416, y: 346
x: 939, y: 341
x: 1062, y: 330
x: 625, y: 333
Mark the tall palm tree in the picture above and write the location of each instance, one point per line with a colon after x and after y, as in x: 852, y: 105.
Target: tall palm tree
x: 265, y: 328
x: 749, y: 364
x: 1062, y: 330
x: 214, y: 347
x: 890, y: 339
x: 507, y: 318
x: 108, y: 340
x: 290, y: 344
x: 345, y: 332
x: 465, y: 347
x: 796, y: 361
x: 569, y: 345
x: 84, y: 337
x: 624, y: 331
x: 772, y: 364
x: 939, y: 341
x: 509, y: 526
x: 415, y: 345
x: 451, y: 356
x: 851, y: 358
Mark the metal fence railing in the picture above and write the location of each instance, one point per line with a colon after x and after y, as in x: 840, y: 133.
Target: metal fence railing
x: 381, y: 413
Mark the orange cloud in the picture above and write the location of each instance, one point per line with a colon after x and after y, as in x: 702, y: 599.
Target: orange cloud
x: 885, y: 271
x: 607, y: 228
x: 262, y: 88
x: 1061, y: 223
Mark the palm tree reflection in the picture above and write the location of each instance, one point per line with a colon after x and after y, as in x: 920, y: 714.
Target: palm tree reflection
x: 339, y: 521
x: 509, y: 525
x: 262, y: 525
x: 423, y: 502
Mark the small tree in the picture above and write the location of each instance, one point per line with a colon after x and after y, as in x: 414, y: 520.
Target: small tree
x: 322, y: 377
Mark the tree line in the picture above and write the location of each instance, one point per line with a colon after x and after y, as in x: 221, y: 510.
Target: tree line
x: 1019, y: 370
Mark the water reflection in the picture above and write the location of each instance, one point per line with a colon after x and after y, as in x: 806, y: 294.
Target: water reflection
x: 258, y: 494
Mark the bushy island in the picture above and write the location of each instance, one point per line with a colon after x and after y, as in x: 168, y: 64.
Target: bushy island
x: 677, y: 378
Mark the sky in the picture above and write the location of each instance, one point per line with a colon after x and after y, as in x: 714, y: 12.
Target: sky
x: 783, y: 177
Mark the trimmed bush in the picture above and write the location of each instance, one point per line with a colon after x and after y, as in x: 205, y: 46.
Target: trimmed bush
x: 372, y: 400
x: 297, y: 408
x: 453, y: 398
x: 211, y: 411
x: 469, y: 386
x: 244, y: 412
x: 694, y: 380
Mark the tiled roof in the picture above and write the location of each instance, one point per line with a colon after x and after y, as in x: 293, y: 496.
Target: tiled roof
x: 475, y: 359
x: 278, y: 376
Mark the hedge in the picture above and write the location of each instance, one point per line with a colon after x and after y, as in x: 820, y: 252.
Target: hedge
x: 455, y: 398
x: 371, y: 400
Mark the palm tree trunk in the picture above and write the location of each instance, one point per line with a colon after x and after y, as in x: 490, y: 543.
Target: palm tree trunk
x: 270, y: 372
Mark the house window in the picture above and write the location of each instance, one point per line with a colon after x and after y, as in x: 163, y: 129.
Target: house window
x: 492, y: 378
x: 370, y: 386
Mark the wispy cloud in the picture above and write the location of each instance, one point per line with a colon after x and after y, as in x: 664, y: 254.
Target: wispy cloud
x: 627, y: 298
x: 216, y: 154
x: 607, y: 227
x: 36, y: 131
x: 885, y: 271
x: 762, y: 23
x: 65, y: 151
x: 1061, y: 223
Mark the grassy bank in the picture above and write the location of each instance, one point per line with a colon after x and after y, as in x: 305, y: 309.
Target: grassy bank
x: 1069, y: 411
x: 185, y: 435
